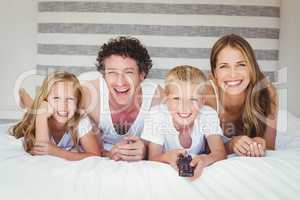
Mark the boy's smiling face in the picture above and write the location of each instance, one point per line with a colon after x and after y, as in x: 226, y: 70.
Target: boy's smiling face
x: 184, y: 101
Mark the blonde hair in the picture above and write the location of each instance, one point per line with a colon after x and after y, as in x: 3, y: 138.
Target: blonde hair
x: 258, y: 98
x: 26, y: 127
x: 184, y: 73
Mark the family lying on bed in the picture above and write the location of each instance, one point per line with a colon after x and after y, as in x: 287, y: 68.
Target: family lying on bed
x: 233, y: 110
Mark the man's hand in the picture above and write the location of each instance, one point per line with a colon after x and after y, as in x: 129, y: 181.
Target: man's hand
x: 132, y: 148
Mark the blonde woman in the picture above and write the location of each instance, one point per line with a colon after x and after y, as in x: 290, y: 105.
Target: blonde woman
x: 244, y: 99
x: 53, y: 125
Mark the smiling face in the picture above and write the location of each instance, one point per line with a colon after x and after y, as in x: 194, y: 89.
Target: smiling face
x: 232, y: 72
x: 63, y: 100
x: 123, y: 78
x: 183, y: 101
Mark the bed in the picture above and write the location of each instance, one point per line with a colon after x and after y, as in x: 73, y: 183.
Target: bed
x: 276, y: 176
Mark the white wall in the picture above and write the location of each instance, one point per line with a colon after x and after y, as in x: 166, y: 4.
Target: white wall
x: 18, y: 47
x: 289, y: 53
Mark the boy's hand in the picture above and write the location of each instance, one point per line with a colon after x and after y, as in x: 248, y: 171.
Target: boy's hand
x: 198, y: 164
x: 172, y: 156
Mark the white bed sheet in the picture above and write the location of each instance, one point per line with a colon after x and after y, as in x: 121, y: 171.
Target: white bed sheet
x: 22, y: 177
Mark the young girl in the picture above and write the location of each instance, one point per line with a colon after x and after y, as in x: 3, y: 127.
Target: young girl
x: 183, y: 123
x: 53, y: 125
x: 245, y: 101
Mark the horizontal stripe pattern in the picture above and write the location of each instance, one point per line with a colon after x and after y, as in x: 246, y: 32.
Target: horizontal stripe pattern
x: 159, y: 8
x: 154, y: 74
x: 149, y: 41
x: 70, y: 32
x: 273, y: 3
x: 56, y: 49
x: 161, y: 19
x: 160, y: 63
x: 132, y: 29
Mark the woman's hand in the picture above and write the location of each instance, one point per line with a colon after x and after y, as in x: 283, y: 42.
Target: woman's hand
x: 258, y: 147
x: 241, y: 145
x: 246, y: 146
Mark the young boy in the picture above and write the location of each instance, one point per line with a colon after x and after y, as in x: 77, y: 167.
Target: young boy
x: 183, y: 123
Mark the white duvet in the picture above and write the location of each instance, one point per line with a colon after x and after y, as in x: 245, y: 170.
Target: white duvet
x: 22, y: 177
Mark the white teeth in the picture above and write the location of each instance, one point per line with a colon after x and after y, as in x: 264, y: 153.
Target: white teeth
x: 233, y: 83
x: 184, y: 115
x: 122, y: 90
x: 62, y: 114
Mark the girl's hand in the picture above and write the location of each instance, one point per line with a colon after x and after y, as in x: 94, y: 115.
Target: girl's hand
x: 198, y: 163
x: 46, y: 108
x: 241, y: 145
x: 172, y: 156
x: 44, y: 148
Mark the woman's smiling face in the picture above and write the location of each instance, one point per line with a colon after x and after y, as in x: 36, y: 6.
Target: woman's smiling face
x: 232, y: 72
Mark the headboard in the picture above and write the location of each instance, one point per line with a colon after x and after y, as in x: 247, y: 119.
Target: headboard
x: 175, y: 31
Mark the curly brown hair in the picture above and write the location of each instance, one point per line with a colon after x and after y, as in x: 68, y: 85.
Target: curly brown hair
x: 128, y: 47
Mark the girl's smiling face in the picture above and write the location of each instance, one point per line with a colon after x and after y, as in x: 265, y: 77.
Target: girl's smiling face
x: 232, y: 71
x: 63, y: 100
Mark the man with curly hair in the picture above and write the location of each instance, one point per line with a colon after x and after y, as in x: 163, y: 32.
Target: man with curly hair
x: 119, y: 99
x: 123, y: 97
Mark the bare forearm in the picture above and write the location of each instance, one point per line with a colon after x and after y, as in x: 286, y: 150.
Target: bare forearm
x: 73, y: 155
x: 105, y: 153
x: 159, y: 158
x: 213, y: 157
x: 42, y: 131
x: 229, y: 146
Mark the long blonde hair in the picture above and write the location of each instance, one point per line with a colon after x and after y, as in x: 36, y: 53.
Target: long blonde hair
x: 258, y: 103
x: 26, y: 127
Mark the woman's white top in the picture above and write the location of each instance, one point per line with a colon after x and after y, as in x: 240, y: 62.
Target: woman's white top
x: 159, y: 129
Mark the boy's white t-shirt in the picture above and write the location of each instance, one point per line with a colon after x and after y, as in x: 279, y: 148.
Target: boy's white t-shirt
x: 66, y: 142
x: 159, y: 129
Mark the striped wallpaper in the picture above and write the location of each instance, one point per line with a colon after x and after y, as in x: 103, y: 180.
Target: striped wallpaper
x: 175, y: 31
